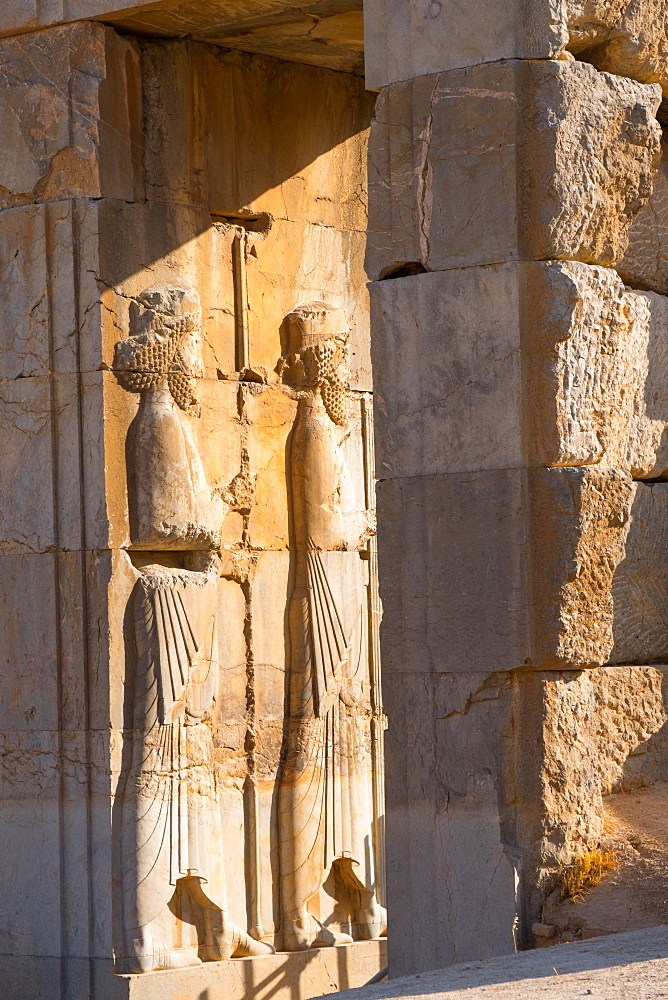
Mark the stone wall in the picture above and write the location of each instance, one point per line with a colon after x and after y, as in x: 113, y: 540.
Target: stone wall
x: 518, y: 328
x: 144, y: 491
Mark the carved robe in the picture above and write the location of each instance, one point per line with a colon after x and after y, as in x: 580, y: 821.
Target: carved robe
x: 171, y: 822
x: 173, y: 505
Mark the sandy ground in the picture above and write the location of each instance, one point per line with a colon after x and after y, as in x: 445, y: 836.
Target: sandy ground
x: 635, y: 894
x: 617, y: 967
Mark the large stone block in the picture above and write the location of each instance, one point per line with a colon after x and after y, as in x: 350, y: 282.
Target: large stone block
x: 595, y: 366
x: 581, y: 736
x: 70, y: 112
x: 640, y: 585
x: 615, y: 718
x: 626, y: 38
x: 620, y: 36
x: 578, y: 736
x: 517, y: 191
x: 504, y: 568
x: 579, y: 521
x: 645, y: 262
x: 539, y: 363
x: 453, y: 572
x: 448, y: 754
x: 447, y: 373
x: 506, y: 769
x: 444, y: 36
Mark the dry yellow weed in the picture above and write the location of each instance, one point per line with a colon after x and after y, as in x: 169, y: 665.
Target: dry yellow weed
x: 586, y: 872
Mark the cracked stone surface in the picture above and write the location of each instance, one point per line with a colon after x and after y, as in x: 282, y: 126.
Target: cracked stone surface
x: 69, y: 130
x: 562, y: 163
x: 327, y: 33
x: 621, y: 36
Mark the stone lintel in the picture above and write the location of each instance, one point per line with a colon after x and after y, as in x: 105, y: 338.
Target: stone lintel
x: 319, y: 32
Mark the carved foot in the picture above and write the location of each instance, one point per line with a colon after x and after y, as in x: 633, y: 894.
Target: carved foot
x: 226, y: 940
x: 372, y: 921
x: 247, y: 946
x: 149, y: 954
x: 304, y: 932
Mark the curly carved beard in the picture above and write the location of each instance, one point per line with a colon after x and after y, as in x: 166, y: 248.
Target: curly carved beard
x: 322, y: 361
x: 333, y: 393
x: 142, y: 361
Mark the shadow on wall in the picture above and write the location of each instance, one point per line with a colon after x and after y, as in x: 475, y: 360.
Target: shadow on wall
x: 223, y: 129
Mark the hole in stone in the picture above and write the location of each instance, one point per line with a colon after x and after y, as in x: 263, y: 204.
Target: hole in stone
x: 403, y: 269
x: 260, y: 222
x: 662, y: 115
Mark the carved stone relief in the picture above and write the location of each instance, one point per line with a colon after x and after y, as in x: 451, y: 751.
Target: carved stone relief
x: 326, y: 821
x: 173, y: 506
x: 173, y: 854
x: 326, y: 792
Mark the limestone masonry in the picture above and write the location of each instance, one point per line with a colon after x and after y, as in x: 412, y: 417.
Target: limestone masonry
x: 311, y: 316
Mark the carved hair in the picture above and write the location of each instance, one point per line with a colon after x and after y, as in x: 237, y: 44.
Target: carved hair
x: 318, y: 336
x: 160, y: 320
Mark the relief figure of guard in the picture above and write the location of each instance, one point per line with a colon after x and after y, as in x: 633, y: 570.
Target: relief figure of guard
x: 172, y: 848
x: 325, y: 801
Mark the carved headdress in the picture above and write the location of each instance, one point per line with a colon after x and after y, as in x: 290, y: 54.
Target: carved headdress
x: 161, y: 320
x: 317, y: 347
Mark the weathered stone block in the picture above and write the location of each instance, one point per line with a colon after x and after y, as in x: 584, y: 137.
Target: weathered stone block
x: 595, y: 363
x: 619, y: 36
x: 448, y: 750
x: 70, y: 113
x: 626, y: 38
x: 445, y: 36
x: 640, y: 585
x: 517, y: 191
x: 448, y: 376
x: 579, y: 736
x: 454, y: 347
x: 453, y: 572
x: 504, y: 568
x: 644, y: 264
x: 579, y: 520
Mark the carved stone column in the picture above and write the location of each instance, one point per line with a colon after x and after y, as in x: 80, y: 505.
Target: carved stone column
x: 512, y: 371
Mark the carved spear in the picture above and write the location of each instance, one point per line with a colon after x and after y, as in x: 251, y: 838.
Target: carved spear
x: 375, y: 612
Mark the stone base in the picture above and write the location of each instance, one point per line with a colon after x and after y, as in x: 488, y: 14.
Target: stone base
x: 284, y: 976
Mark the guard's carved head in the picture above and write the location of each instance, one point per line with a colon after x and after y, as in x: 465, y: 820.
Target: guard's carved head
x: 163, y: 344
x: 317, y: 351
